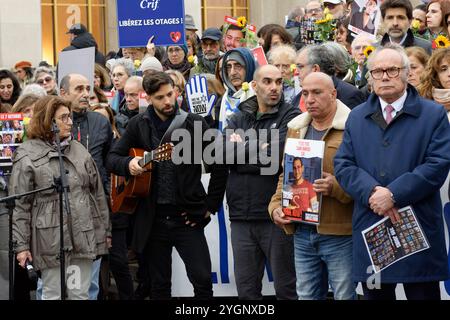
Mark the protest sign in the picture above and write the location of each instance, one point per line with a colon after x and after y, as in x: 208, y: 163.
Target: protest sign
x: 138, y: 20
x: 80, y: 61
x: 199, y: 101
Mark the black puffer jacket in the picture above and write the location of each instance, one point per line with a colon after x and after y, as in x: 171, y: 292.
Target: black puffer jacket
x: 86, y: 40
x: 248, y: 191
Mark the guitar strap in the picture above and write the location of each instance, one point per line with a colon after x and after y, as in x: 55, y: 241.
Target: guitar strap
x: 177, y: 122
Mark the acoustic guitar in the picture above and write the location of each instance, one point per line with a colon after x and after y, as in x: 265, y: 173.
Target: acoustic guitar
x: 126, y: 191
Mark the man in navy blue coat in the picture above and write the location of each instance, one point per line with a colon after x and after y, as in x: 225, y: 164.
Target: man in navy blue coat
x: 396, y: 152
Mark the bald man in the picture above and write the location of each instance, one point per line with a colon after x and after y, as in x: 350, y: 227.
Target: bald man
x: 94, y: 132
x: 255, y: 239
x: 325, y: 251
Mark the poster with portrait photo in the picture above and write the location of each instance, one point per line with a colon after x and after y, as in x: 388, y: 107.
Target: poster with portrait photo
x: 388, y: 243
x: 11, y: 136
x: 365, y: 17
x: 303, y: 161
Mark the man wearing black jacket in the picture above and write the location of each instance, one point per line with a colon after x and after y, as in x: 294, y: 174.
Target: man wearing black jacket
x: 81, y: 38
x: 317, y: 58
x: 250, y: 187
x: 94, y: 132
x: 177, y: 209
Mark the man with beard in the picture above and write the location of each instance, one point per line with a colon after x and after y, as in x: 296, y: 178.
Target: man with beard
x: 232, y: 38
x: 238, y: 67
x: 255, y: 239
x: 397, y: 16
x: 211, y: 44
x: 177, y: 208
x: 94, y: 132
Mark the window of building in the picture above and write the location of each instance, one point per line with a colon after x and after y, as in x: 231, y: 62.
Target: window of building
x: 214, y: 11
x: 59, y: 15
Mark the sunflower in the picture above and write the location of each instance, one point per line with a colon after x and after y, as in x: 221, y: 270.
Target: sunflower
x: 293, y: 67
x: 368, y: 51
x: 415, y: 24
x: 322, y: 21
x: 328, y: 17
x: 241, y: 22
x: 442, y: 42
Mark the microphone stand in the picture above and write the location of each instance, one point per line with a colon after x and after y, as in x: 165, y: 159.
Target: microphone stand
x: 62, y: 186
x: 10, y: 204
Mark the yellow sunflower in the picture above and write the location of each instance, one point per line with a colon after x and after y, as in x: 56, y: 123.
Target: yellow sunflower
x: 241, y: 22
x: 368, y: 51
x: 415, y: 24
x: 293, y: 67
x: 442, y: 42
x: 322, y: 21
x: 328, y: 17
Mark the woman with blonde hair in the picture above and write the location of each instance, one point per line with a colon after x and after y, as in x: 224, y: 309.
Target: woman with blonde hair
x: 283, y: 57
x: 25, y: 105
x: 179, y: 84
x: 418, y: 59
x: 435, y: 83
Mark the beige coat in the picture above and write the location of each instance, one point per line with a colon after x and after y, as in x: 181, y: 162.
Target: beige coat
x: 336, y: 210
x: 36, y: 218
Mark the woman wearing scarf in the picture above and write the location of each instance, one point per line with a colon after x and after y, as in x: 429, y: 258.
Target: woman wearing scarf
x: 177, y: 60
x: 435, y: 84
x: 36, y: 217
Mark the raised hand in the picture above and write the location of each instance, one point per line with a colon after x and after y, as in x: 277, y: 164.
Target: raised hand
x: 199, y: 101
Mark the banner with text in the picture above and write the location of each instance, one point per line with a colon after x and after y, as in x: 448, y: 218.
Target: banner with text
x: 138, y: 20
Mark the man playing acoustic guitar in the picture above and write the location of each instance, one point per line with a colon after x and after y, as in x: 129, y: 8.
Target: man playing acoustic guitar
x: 177, y: 207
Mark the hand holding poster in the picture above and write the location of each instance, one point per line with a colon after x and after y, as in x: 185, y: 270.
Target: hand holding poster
x: 138, y: 20
x: 302, y: 166
x: 199, y: 101
x: 388, y: 243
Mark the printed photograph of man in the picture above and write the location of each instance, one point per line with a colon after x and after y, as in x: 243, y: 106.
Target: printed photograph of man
x: 7, y: 138
x: 364, y: 18
x: 303, y: 195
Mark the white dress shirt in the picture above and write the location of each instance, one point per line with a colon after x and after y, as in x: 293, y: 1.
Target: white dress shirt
x: 397, y: 105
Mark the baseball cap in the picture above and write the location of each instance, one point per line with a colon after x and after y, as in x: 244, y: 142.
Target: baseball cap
x: 212, y: 33
x: 77, y: 29
x: 334, y: 1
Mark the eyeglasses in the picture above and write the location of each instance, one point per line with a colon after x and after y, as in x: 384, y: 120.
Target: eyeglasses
x: 65, y: 118
x: 330, y: 5
x: 391, y: 72
x: 236, y: 67
x: 174, y: 50
x: 301, y: 66
x: 358, y: 48
x: 316, y: 10
x: 42, y: 81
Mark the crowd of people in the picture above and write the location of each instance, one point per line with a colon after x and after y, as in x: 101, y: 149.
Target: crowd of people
x: 379, y: 99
